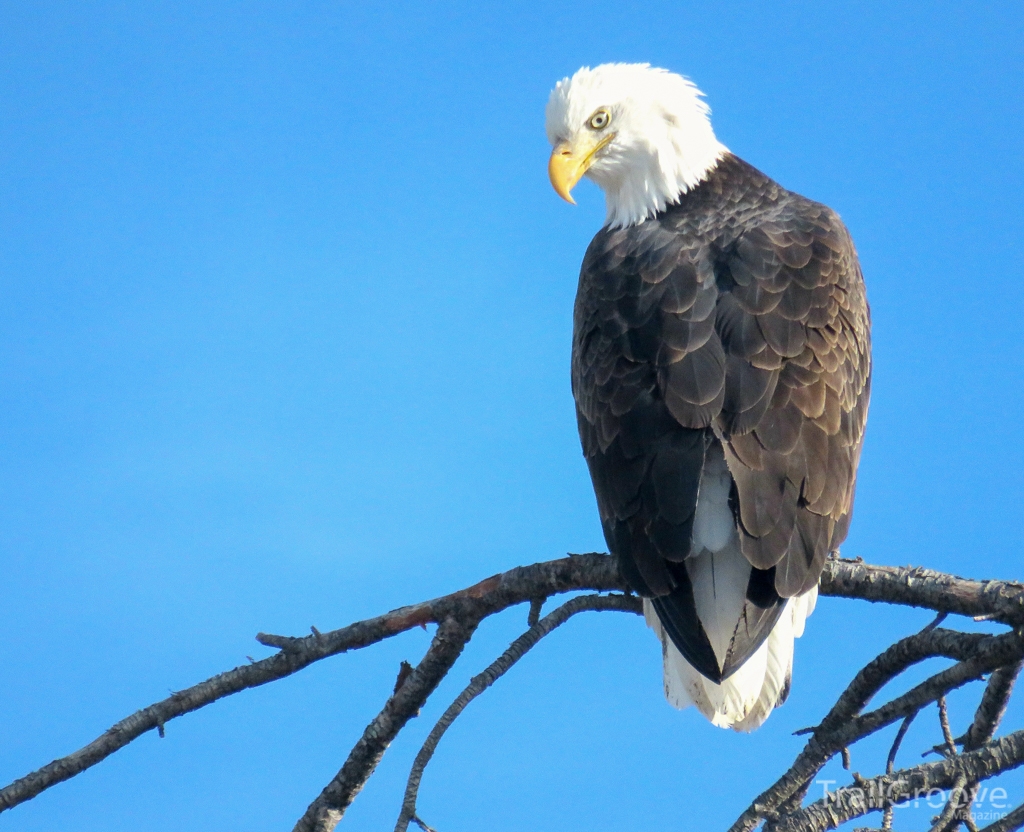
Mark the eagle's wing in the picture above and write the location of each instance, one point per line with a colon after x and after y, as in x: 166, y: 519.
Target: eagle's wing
x: 759, y: 344
x: 645, y: 309
x: 646, y: 304
x: 794, y: 324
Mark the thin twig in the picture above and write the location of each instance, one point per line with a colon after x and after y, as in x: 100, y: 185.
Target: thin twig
x: 942, y: 616
x: 890, y: 761
x: 495, y: 671
x: 890, y: 765
x: 947, y: 734
x: 419, y: 822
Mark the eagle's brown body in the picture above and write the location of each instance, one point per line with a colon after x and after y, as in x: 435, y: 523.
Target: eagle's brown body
x: 734, y: 323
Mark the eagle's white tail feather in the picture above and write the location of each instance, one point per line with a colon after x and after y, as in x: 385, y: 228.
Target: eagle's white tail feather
x: 779, y: 667
x: 719, y: 575
x: 810, y: 599
x: 744, y: 700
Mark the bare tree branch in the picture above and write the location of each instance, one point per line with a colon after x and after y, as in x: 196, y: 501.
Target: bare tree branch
x: 949, y: 744
x: 989, y: 713
x: 1014, y: 820
x: 580, y: 572
x: 913, y: 586
x: 947, y: 816
x: 497, y: 669
x: 846, y: 804
x: 459, y: 613
x: 992, y: 707
x: 324, y: 813
x: 842, y: 727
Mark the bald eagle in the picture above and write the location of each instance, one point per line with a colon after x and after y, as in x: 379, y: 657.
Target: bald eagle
x: 721, y: 367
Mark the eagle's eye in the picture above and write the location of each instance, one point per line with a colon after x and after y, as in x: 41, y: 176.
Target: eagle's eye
x: 599, y: 120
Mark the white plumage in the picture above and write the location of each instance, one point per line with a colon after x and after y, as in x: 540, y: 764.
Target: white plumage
x: 719, y: 574
x: 744, y: 700
x: 666, y: 145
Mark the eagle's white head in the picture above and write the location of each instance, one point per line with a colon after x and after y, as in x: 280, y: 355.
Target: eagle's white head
x: 642, y: 134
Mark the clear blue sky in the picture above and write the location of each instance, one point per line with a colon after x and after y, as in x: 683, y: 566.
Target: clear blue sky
x: 285, y: 306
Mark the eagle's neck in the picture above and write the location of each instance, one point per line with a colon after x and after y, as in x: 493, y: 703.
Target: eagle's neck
x: 649, y: 177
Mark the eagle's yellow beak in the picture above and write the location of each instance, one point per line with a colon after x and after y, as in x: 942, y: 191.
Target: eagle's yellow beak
x: 570, y: 160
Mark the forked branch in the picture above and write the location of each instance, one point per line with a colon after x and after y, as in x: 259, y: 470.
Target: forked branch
x: 915, y: 783
x: 498, y: 668
x: 459, y: 614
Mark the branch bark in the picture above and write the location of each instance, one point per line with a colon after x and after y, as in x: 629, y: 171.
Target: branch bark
x: 583, y: 572
x: 992, y: 707
x: 842, y: 727
x: 1001, y: 601
x: 1014, y: 820
x: 498, y: 668
x: 846, y: 804
x: 324, y: 813
x: 995, y: 600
